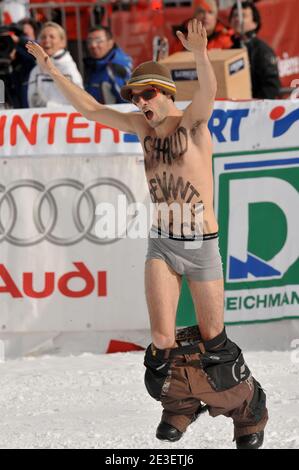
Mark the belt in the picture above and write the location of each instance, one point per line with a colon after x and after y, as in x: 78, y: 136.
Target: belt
x: 189, y: 342
x: 165, y: 354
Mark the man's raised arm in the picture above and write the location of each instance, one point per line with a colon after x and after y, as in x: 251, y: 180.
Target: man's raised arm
x: 203, y: 100
x: 80, y: 99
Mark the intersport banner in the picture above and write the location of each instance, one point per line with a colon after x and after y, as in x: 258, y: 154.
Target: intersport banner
x: 57, y: 274
x: 235, y: 127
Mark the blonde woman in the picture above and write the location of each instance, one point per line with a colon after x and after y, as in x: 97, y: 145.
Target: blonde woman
x: 41, y: 89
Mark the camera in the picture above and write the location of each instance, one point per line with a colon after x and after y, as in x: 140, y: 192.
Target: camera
x: 7, y: 65
x: 7, y: 45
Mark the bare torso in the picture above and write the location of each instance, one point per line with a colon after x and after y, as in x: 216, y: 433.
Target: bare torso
x: 178, y: 168
x: 177, y: 148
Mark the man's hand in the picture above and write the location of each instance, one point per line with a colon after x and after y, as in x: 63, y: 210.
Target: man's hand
x: 41, y: 56
x: 196, y: 40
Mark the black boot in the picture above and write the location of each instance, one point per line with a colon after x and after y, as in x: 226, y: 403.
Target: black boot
x: 250, y: 441
x: 166, y: 432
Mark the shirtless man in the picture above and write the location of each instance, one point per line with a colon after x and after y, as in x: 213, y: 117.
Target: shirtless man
x: 196, y: 364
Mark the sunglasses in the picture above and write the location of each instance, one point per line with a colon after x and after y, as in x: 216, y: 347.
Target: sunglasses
x: 96, y: 41
x: 146, y: 95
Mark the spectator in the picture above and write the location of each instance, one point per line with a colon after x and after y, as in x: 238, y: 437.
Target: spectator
x: 30, y: 28
x: 107, y: 68
x: 263, y: 62
x: 23, y: 62
x: 15, y: 62
x: 219, y: 36
x: 41, y: 89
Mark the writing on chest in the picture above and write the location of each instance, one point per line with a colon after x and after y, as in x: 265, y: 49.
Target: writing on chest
x: 168, y: 188
x: 167, y: 150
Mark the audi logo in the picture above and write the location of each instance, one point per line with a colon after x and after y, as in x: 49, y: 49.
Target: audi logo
x: 45, y: 219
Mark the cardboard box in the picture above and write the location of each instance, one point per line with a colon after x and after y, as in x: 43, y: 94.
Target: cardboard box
x: 231, y: 67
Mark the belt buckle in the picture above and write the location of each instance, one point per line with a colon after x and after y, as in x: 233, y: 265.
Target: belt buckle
x: 187, y: 342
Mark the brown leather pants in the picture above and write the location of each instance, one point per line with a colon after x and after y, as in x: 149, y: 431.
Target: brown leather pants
x: 213, y: 373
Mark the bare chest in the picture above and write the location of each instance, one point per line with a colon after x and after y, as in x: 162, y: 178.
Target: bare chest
x: 178, y: 166
x: 169, y: 150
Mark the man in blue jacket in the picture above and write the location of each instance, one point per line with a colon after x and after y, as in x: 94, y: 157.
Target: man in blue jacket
x: 107, y: 68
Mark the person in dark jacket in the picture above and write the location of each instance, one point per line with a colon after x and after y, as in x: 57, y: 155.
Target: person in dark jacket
x: 107, y: 68
x: 263, y: 62
x: 15, y: 62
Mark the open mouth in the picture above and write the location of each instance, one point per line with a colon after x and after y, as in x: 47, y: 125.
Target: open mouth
x: 149, y: 114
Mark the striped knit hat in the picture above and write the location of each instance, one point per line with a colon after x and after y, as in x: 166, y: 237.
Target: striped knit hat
x: 149, y: 73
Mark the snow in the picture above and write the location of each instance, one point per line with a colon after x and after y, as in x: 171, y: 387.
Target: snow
x: 99, y: 401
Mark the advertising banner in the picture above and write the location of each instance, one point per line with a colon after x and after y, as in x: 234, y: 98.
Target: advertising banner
x: 235, y: 126
x: 258, y: 207
x: 58, y: 269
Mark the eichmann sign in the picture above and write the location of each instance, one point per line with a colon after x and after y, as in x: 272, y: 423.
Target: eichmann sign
x: 258, y: 211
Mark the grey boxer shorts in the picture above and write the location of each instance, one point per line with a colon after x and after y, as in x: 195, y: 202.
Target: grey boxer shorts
x: 197, y: 258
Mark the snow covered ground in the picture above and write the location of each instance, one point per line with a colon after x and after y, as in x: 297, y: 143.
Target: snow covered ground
x: 99, y: 401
